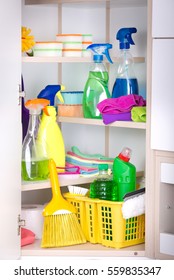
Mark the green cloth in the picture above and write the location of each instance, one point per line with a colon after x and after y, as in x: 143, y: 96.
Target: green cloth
x: 138, y: 114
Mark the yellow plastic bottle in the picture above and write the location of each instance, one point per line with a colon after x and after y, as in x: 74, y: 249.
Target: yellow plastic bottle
x: 50, y: 139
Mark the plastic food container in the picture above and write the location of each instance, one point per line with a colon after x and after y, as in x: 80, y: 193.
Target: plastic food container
x: 72, y: 97
x: 102, y: 222
x: 47, y: 49
x: 70, y: 110
x: 69, y: 37
x: 72, y: 52
x: 85, y: 52
x: 72, y: 45
x: 87, y: 38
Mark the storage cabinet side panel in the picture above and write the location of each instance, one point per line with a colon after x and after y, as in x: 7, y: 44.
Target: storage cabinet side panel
x: 10, y: 125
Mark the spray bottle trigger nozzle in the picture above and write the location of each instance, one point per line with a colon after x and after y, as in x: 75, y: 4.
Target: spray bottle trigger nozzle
x: 130, y: 40
x: 59, y: 96
x: 45, y: 109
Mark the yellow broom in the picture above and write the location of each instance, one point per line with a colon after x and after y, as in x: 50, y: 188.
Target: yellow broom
x: 61, y: 226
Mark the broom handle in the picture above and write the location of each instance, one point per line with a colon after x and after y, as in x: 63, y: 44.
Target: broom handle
x: 54, y: 180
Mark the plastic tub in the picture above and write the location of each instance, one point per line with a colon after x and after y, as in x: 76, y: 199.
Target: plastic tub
x: 47, y: 49
x: 72, y: 52
x: 70, y: 110
x: 72, y: 97
x: 72, y: 45
x: 85, y: 52
x: 69, y: 37
x: 87, y: 38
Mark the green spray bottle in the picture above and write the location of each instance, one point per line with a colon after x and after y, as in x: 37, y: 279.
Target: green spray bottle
x: 124, y: 173
x: 96, y: 88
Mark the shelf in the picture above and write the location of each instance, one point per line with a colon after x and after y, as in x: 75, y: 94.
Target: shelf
x: 28, y: 186
x: 32, y: 186
x: 49, y: 59
x: 123, y: 124
x: 88, y: 249
x: 118, y: 3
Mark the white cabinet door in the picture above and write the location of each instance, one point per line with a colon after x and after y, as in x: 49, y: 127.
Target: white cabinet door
x: 10, y: 127
x: 162, y: 113
x: 162, y: 18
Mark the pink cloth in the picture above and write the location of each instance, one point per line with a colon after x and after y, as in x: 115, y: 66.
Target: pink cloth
x: 121, y: 104
x: 87, y: 169
x: 27, y: 237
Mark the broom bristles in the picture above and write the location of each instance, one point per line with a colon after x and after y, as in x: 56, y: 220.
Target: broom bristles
x: 62, y: 230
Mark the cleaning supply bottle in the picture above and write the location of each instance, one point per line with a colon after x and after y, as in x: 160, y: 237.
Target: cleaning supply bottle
x: 49, y: 134
x: 50, y: 138
x: 124, y: 173
x: 103, y: 187
x: 34, y: 161
x: 126, y: 82
x: 50, y: 91
x: 96, y: 88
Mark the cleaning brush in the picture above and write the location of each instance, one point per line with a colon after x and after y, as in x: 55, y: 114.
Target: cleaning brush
x: 78, y: 190
x: 61, y: 226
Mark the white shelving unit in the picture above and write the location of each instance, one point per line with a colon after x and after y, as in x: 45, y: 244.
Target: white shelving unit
x: 85, y: 249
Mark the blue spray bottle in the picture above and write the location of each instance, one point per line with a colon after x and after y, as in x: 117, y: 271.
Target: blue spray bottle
x: 126, y: 82
x: 96, y: 88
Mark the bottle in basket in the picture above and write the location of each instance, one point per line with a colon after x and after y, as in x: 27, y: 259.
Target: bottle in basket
x: 103, y: 187
x: 124, y: 173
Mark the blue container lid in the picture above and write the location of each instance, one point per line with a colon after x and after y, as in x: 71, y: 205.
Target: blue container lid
x: 72, y: 97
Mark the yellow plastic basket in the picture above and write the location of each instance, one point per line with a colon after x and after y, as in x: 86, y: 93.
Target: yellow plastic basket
x: 102, y: 222
x: 87, y: 216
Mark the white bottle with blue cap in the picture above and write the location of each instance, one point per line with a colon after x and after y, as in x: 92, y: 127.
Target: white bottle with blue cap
x: 96, y: 88
x: 126, y: 82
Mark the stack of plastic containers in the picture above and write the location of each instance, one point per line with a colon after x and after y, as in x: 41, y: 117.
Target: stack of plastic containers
x: 74, y: 45
x: 47, y: 48
x: 72, y: 106
x: 86, y: 41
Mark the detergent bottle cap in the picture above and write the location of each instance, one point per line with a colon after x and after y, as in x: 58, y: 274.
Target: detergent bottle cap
x: 36, y: 105
x: 103, y: 167
x: 50, y: 91
x: 124, y: 36
x: 125, y: 154
x: 99, y: 51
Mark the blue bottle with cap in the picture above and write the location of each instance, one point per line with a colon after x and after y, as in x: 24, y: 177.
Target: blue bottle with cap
x: 126, y: 82
x: 96, y: 88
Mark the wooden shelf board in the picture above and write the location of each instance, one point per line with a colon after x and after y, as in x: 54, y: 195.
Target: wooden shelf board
x: 28, y: 186
x: 49, y: 59
x: 123, y: 124
x: 32, y: 186
x: 87, y: 249
x: 118, y: 3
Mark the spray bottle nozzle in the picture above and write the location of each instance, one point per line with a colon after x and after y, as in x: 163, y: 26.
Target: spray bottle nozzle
x: 50, y: 91
x: 99, y: 50
x: 36, y: 105
x: 124, y: 35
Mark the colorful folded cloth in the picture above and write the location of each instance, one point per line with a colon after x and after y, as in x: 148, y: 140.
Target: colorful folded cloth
x: 76, y: 150
x: 88, y: 165
x: 121, y: 104
x: 81, y: 161
x: 138, y: 114
x: 85, y: 171
x: 110, y: 118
